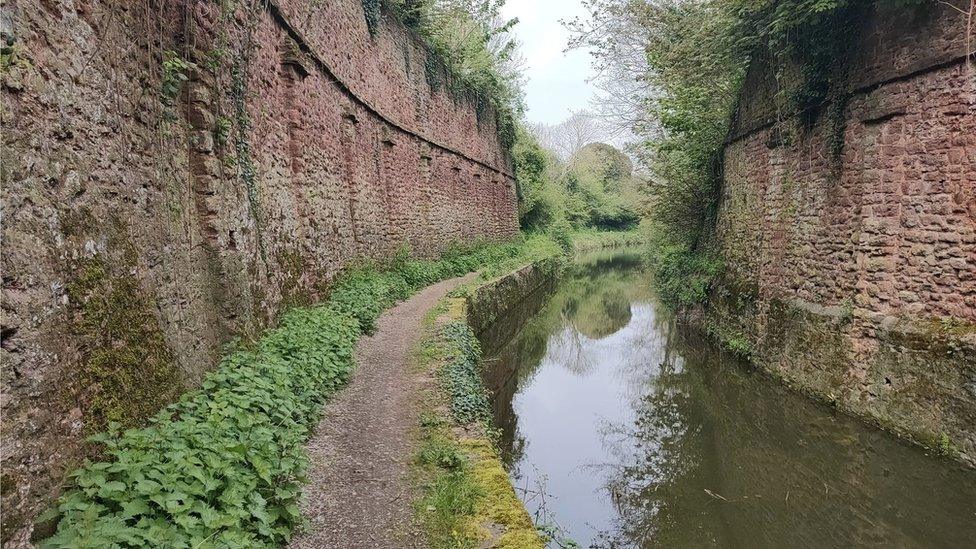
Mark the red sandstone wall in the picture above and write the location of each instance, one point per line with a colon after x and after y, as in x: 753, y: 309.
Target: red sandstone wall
x: 890, y: 222
x: 876, y: 233
x: 298, y: 144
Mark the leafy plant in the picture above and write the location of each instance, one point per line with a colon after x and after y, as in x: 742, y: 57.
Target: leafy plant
x: 461, y: 376
x: 945, y: 446
x: 224, y: 466
x: 222, y: 127
x: 683, y: 276
x: 175, y: 70
x: 561, y: 233
x: 442, y: 452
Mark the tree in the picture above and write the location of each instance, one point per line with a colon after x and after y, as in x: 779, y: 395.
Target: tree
x: 569, y: 136
x: 616, y: 35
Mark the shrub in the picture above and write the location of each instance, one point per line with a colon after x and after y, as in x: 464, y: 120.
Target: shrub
x: 561, y: 232
x: 683, y: 275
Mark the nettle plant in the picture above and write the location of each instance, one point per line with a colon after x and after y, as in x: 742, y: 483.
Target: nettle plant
x: 224, y: 466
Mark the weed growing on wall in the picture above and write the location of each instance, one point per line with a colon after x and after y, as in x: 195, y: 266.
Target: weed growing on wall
x: 469, y: 53
x: 175, y: 74
x: 224, y: 465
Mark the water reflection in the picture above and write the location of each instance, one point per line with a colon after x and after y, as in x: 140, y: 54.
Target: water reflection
x: 646, y: 437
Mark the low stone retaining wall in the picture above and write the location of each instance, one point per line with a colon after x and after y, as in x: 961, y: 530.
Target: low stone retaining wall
x: 506, y: 297
x: 912, y: 378
x: 499, y: 518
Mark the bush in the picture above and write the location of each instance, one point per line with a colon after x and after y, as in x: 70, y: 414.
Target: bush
x: 683, y: 275
x: 223, y: 466
x: 561, y: 232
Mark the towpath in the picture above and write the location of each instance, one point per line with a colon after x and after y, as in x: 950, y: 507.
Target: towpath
x: 359, y: 494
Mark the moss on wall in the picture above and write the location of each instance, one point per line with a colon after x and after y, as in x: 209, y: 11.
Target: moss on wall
x: 126, y: 372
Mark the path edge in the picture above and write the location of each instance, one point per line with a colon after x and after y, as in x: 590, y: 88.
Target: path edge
x: 498, y: 519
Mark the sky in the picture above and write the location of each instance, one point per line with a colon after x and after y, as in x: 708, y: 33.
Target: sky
x: 556, y: 80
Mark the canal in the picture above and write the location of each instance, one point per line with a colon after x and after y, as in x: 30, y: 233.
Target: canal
x: 621, y: 430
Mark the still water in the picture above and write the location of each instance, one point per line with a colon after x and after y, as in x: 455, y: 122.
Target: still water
x: 626, y: 432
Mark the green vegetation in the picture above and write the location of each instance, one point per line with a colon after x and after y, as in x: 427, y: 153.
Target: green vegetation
x: 464, y: 484
x: 127, y: 372
x: 450, y: 494
x: 175, y: 74
x: 946, y: 447
x: 450, y: 497
x: 469, y: 53
x: 694, y: 58
x: 535, y: 247
x: 224, y: 465
x: 683, y: 274
x: 594, y: 189
x: 462, y: 377
x: 731, y: 338
x: 592, y: 239
x: 600, y: 189
x: 537, y: 198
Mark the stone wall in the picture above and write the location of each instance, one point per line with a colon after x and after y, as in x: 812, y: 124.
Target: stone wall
x: 851, y: 244
x: 175, y: 173
x: 513, y: 298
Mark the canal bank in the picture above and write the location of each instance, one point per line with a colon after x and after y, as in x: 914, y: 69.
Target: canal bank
x: 466, y: 496
x: 914, y: 378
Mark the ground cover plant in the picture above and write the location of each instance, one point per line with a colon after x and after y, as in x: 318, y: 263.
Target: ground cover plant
x: 224, y: 466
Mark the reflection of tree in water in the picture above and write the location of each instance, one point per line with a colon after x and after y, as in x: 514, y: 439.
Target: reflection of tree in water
x: 592, y: 300
x: 601, y: 311
x: 592, y: 303
x: 718, y: 456
x: 654, y: 474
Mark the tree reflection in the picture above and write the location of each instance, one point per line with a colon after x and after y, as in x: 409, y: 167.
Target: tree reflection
x: 656, y: 464
x: 702, y: 452
x: 719, y: 456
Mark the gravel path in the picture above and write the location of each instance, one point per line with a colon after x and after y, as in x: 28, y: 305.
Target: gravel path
x: 359, y: 495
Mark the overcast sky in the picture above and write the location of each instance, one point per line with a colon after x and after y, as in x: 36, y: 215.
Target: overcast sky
x: 556, y: 80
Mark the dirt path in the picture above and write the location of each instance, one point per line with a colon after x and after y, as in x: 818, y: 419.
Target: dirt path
x: 358, y: 494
